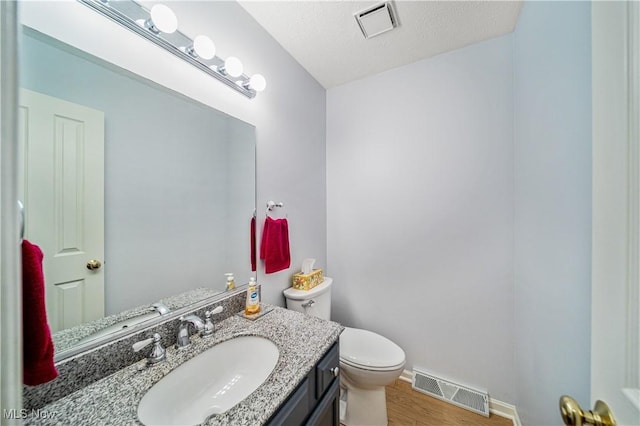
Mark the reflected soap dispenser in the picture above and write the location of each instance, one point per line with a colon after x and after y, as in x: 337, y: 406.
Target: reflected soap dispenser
x: 231, y: 283
x: 253, y: 298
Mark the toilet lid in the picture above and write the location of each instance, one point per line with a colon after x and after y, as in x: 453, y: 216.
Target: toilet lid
x: 295, y: 294
x: 368, y: 350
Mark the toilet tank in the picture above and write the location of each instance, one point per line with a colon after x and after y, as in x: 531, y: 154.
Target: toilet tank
x: 317, y: 301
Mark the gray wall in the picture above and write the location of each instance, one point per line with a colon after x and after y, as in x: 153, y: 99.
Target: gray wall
x: 459, y: 210
x: 552, y: 207
x: 420, y: 211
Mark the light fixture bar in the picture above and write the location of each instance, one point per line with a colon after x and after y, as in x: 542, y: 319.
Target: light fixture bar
x: 132, y: 15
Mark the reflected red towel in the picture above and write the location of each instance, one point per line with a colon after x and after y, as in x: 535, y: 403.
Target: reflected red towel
x: 274, y: 248
x: 37, y: 346
x: 253, y: 244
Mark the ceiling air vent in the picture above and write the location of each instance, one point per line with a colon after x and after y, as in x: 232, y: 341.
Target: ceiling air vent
x: 376, y: 20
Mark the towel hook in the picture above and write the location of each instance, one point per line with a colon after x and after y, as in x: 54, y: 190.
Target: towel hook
x: 271, y: 205
x: 21, y: 210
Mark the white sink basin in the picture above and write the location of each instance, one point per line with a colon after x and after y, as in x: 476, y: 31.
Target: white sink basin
x: 209, y: 383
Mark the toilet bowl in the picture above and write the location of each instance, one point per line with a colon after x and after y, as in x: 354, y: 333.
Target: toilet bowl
x: 368, y: 361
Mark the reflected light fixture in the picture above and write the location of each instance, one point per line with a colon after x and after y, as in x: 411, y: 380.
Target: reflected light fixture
x: 160, y: 26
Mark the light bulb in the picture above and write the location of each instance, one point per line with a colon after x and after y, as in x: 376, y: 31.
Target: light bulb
x: 163, y: 19
x: 257, y: 83
x: 204, y: 47
x: 233, y: 66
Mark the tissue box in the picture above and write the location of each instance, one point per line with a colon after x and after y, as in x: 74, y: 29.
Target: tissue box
x: 307, y: 281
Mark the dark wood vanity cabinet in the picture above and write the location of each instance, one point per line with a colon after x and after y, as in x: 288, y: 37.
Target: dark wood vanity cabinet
x: 316, y: 400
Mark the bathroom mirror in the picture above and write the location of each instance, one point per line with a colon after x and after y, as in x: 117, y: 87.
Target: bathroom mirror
x: 179, y: 193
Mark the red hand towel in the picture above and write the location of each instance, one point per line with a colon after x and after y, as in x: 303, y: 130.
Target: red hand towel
x: 37, y: 346
x: 253, y: 244
x: 274, y: 248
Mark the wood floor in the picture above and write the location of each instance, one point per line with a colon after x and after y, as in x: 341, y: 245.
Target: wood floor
x: 406, y: 407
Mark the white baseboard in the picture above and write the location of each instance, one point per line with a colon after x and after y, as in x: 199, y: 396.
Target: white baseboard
x: 406, y: 376
x: 496, y: 407
x: 503, y: 409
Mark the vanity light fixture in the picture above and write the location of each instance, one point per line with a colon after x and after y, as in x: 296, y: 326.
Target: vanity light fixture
x: 162, y: 19
x: 203, y: 47
x: 257, y: 82
x: 160, y: 26
x: 232, y: 66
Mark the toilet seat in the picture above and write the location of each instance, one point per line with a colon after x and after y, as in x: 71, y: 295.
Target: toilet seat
x: 367, y: 350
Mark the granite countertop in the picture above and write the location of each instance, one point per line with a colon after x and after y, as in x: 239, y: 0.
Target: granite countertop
x: 301, y: 340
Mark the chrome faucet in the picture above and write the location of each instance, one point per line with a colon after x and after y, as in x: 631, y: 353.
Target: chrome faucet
x: 183, y: 340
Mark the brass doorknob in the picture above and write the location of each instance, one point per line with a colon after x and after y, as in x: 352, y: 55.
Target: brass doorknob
x: 93, y: 264
x: 573, y: 415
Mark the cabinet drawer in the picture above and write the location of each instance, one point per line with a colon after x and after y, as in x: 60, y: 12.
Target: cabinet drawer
x: 327, y: 370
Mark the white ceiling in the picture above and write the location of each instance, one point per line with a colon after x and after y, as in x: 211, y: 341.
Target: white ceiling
x: 324, y: 37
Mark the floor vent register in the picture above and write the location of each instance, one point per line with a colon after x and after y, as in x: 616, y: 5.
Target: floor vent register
x: 462, y: 396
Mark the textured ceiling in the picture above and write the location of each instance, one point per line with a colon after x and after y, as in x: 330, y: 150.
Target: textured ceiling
x: 325, y: 39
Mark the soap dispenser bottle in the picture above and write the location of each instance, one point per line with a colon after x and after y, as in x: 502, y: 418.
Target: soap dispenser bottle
x: 253, y: 298
x: 231, y: 284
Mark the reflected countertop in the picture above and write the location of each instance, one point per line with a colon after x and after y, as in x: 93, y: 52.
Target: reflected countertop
x: 65, y: 339
x: 301, y: 340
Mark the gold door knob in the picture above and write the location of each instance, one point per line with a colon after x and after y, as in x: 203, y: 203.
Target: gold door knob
x: 93, y: 264
x: 573, y: 415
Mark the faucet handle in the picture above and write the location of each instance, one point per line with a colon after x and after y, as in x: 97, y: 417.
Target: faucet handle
x: 215, y: 311
x: 138, y: 346
x: 158, y: 352
x: 208, y: 324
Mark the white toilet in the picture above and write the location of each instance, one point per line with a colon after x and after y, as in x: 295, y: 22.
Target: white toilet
x: 368, y: 361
